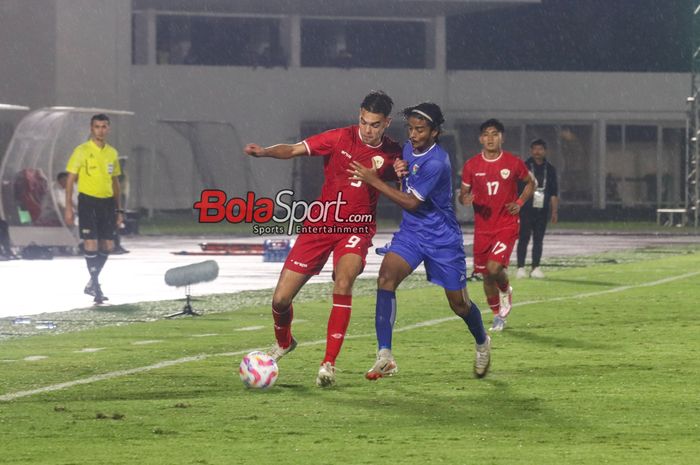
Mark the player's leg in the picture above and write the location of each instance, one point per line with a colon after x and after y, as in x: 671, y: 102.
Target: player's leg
x: 288, y: 286
x: 538, y: 230
x: 447, y: 267
x: 495, y: 279
x: 468, y: 311
x: 393, y: 270
x: 349, y: 254
x: 483, y: 244
x: 306, y: 259
x: 523, y: 241
x: 498, y: 260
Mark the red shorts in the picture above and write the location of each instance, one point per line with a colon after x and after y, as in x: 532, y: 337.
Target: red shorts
x: 494, y: 246
x: 311, y: 251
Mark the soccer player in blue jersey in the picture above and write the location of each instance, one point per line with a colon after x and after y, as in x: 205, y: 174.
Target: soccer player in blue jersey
x: 428, y: 233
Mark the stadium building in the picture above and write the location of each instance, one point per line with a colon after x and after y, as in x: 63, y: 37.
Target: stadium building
x: 605, y: 85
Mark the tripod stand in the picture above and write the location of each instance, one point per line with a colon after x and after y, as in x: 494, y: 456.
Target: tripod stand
x: 187, y: 309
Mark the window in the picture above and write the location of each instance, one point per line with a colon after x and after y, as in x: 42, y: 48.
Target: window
x: 363, y: 44
x: 585, y: 35
x: 218, y: 41
x: 672, y: 170
x: 631, y: 164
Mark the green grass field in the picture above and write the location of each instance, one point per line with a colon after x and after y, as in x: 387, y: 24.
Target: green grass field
x: 598, y: 365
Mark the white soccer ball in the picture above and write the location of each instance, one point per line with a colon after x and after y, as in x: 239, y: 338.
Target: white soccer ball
x: 258, y: 370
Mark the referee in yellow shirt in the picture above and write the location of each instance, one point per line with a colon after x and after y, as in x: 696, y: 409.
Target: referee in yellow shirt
x: 95, y: 165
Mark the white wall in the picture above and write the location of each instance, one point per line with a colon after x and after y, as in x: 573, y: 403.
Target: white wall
x: 267, y: 106
x: 27, y: 52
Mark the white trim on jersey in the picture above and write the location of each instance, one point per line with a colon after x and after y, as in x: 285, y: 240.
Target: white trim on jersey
x: 416, y: 194
x: 495, y: 159
x: 308, y: 150
x: 417, y: 155
x: 359, y: 133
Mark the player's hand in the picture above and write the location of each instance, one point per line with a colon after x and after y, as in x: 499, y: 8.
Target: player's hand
x: 400, y: 168
x: 361, y: 172
x: 513, y: 208
x: 466, y: 199
x: 254, y: 150
x: 120, y: 220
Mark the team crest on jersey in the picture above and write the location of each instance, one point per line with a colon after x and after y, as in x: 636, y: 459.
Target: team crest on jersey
x: 414, y: 170
x: 505, y: 173
x: 377, y: 161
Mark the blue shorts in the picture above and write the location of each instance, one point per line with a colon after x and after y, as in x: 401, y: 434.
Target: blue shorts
x: 445, y: 266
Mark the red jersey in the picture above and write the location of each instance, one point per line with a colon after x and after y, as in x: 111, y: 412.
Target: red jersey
x: 494, y: 183
x: 340, y: 147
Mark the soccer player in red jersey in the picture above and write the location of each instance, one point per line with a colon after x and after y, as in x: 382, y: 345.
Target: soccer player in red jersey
x: 490, y: 184
x: 364, y: 143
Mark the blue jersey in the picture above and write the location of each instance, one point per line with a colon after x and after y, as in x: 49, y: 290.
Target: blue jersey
x: 430, y: 180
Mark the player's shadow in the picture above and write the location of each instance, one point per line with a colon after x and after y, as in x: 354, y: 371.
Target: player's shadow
x: 471, y: 402
x: 550, y: 342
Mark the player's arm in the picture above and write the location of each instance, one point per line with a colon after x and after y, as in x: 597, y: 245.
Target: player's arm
x: 68, y: 213
x: 404, y: 200
x: 465, y: 189
x: 514, y: 207
x: 465, y: 194
x: 280, y: 151
x: 117, y: 192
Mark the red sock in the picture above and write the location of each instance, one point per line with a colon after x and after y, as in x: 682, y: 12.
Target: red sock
x: 337, y: 326
x: 283, y: 326
x: 503, y: 287
x: 494, y: 303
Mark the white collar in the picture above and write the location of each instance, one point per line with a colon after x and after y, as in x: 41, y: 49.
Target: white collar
x: 370, y: 146
x: 421, y: 154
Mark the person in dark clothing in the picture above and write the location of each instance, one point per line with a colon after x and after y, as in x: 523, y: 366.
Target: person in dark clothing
x: 6, y: 252
x: 542, y: 207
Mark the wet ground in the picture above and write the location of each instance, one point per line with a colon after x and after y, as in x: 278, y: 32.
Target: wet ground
x: 31, y: 287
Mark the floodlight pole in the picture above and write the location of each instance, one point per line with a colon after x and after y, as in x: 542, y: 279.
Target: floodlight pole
x: 692, y: 171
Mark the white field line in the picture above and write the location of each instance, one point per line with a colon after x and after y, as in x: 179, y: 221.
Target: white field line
x: 195, y: 358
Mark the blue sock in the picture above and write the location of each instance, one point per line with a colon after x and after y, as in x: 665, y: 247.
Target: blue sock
x: 384, y: 317
x: 475, y: 324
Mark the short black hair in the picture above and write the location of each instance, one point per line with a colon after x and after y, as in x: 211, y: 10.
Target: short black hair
x: 427, y: 111
x: 61, y: 175
x: 492, y: 123
x: 538, y: 142
x: 379, y: 102
x: 99, y: 117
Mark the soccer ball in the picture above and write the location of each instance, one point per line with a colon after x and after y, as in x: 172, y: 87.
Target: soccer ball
x: 258, y: 370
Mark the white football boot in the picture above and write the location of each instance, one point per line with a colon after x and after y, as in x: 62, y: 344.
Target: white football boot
x: 506, y: 303
x: 326, y: 375
x: 498, y: 324
x: 278, y: 352
x: 483, y: 358
x: 384, y: 366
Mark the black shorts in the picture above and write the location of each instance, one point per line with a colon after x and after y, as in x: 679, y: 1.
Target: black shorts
x: 96, y: 217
